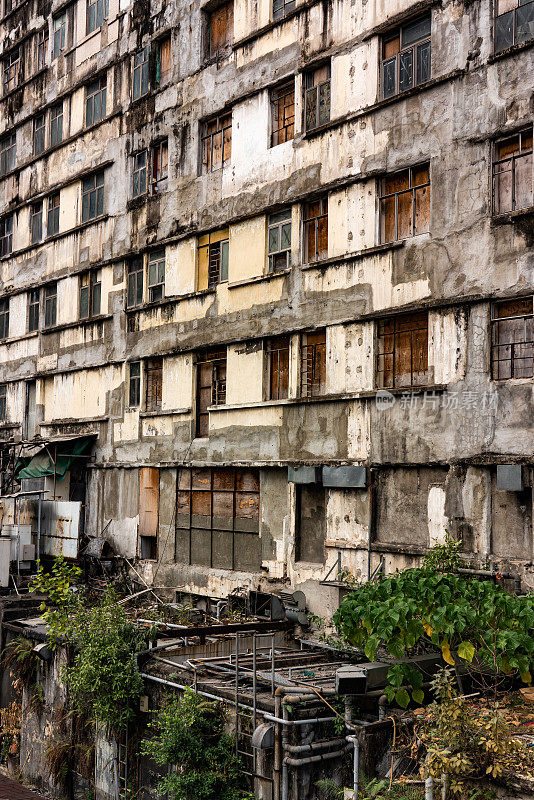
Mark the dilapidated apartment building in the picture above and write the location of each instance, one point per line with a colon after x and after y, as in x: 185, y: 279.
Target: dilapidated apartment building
x: 266, y: 282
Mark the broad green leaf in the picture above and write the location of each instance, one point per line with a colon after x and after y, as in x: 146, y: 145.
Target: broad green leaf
x: 466, y: 651
x: 402, y: 698
x: 418, y: 696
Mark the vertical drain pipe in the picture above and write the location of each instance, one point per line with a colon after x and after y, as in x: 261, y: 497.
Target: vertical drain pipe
x: 356, y: 765
x: 285, y: 737
x: 429, y: 788
x: 277, y: 747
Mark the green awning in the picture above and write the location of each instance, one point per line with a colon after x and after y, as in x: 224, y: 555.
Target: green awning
x: 42, y: 463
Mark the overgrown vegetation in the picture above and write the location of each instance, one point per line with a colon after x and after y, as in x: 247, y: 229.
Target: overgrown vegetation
x: 59, y: 586
x: 20, y: 659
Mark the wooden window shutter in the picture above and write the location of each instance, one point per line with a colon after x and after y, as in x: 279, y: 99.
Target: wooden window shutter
x: 148, y: 501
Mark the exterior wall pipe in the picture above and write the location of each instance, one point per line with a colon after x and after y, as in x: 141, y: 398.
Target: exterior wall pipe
x: 315, y: 746
x: 298, y: 762
x: 277, y: 747
x: 356, y: 765
x: 183, y: 686
x: 429, y: 789
x: 290, y: 722
x: 285, y: 738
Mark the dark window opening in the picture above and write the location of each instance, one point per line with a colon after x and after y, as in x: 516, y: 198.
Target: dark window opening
x: 95, y: 100
x: 139, y: 174
x: 8, y: 154
x: 160, y: 166
x: 3, y: 402
x: 156, y: 275
x: 313, y: 364
x: 97, y: 12
x: 310, y: 520
x: 56, y: 124
x: 59, y: 33
x: 4, y: 318
x: 216, y: 142
x: 12, y: 70
x: 36, y: 222
x: 279, y: 240
x: 277, y: 365
x: 514, y: 23
x: 93, y: 197
x: 6, y: 235
x: 141, y: 75
x: 406, y: 58
x: 211, y: 386
x: 283, y: 113
x: 403, y: 351
x: 41, y: 48
x: 154, y: 384
x: 316, y: 230
x: 317, y: 97
x: 90, y: 295
x: 512, y: 173
x: 283, y: 7
x: 33, y: 310
x: 512, y: 339
x: 405, y: 204
x: 50, y: 303
x: 39, y: 130
x: 52, y: 221
x: 135, y: 282
x: 134, y: 388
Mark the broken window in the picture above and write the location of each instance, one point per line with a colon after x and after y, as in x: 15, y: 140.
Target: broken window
x: 50, y: 304
x: 310, y: 521
x: 277, y: 366
x: 160, y: 166
x: 56, y: 124
x: 282, y: 7
x: 283, y: 113
x: 41, y: 48
x: 156, y: 275
x: 95, y: 100
x: 211, y: 386
x: 33, y: 310
x: 141, y: 83
x: 405, y: 204
x: 8, y: 153
x: 218, y: 518
x: 134, y: 388
x: 220, y: 30
x: 139, y: 174
x: 213, y: 254
x: 406, y: 56
x: 316, y: 229
x: 512, y: 339
x: 90, y: 294
x: 313, y: 364
x: 36, y: 222
x: 135, y: 282
x: 154, y: 384
x: 4, y: 318
x: 12, y: 70
x: 216, y: 142
x: 279, y: 240
x: 163, y: 60
x: 52, y: 220
x: 6, y: 235
x: 512, y: 173
x: 148, y: 512
x: 3, y: 402
x: 59, y: 32
x: 317, y: 96
x: 39, y: 130
x: 403, y: 351
x: 514, y: 23
x: 97, y: 12
x: 93, y: 196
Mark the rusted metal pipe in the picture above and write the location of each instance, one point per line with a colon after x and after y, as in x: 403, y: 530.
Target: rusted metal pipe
x: 298, y: 762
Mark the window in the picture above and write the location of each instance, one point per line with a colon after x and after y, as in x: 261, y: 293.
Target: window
x: 95, y: 100
x: 405, y: 204
x: 148, y: 512
x: 313, y: 364
x: 4, y: 318
x: 512, y: 173
x: 154, y: 384
x: 216, y: 142
x: 8, y: 153
x: 56, y: 124
x: 12, y: 70
x: 282, y: 7
x: 6, y: 235
x: 277, y: 365
x: 39, y: 135
x: 41, y: 48
x: 160, y: 166
x: 97, y: 11
x: 512, y: 339
x: 36, y: 222
x: 156, y: 275
x: 50, y: 303
x: 211, y: 386
x: 134, y: 389
x: 139, y: 174
x: 163, y: 60
x: 93, y: 196
x: 279, y: 240
x: 283, y: 113
x: 59, y: 32
x: 514, y: 23
x: 218, y: 518
x: 90, y: 295
x: 52, y: 220
x: 33, y: 310
x: 135, y: 283
x: 317, y: 96
x: 213, y: 252
x: 403, y: 351
x: 406, y: 56
x: 140, y: 73
x: 220, y: 30
x: 310, y: 523
x: 316, y: 230
x: 3, y: 402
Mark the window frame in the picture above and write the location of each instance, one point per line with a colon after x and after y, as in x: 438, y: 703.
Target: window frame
x: 41, y: 48
x: 315, y: 221
x: 141, y: 73
x: 8, y: 153
x: 4, y: 318
x: 514, y: 14
x: 156, y: 288
x: 96, y: 19
x: 277, y: 102
x: 134, y: 384
x: 413, y: 48
x: 36, y: 223
x: 56, y: 124
x: 276, y: 350
x: 312, y: 363
x: 59, y: 35
x: 213, y: 53
x: 52, y: 214
x: 95, y: 100
x: 140, y: 174
x: 34, y: 310
x: 50, y: 305
x: 207, y: 139
x: 513, y: 159
x: 496, y: 345
x: 218, y: 359
x: 214, y: 250
x: 159, y: 174
x: 3, y: 402
x: 281, y: 8
x: 11, y: 70
x: 163, y: 75
x: 418, y: 377
x: 153, y: 372
x: 314, y: 89
x: 90, y: 294
x: 135, y: 281
x: 6, y: 235
x: 95, y: 190
x: 414, y: 189
x: 278, y: 225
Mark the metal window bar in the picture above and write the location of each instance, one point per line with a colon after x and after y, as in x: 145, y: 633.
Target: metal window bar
x: 515, y: 353
x: 312, y: 357
x: 396, y: 195
x: 417, y: 326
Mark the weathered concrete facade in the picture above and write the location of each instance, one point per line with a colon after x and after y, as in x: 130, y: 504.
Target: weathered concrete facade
x: 432, y: 448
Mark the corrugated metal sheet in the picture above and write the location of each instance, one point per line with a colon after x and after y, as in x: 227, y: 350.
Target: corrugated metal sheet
x: 60, y: 526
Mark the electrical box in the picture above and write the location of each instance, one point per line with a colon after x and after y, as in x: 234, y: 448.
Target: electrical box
x: 510, y: 477
x: 304, y: 475
x: 143, y: 703
x: 345, y: 477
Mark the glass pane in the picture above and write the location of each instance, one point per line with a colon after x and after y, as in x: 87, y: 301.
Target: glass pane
x: 416, y: 30
x: 406, y: 70
x: 224, y: 261
x: 525, y: 23
x: 286, y: 237
x: 84, y: 302
x: 523, y: 181
x: 423, y: 63
x: 389, y: 84
x: 504, y: 31
x: 96, y: 299
x: 274, y: 244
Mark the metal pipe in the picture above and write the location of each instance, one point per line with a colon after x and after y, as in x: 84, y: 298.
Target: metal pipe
x: 277, y: 748
x: 39, y: 500
x: 285, y: 742
x: 382, y: 703
x: 184, y: 686
x: 356, y: 766
x: 315, y: 746
x: 297, y: 762
x: 236, y: 694
x: 293, y: 722
x: 444, y: 786
x: 254, y: 688
x: 429, y: 788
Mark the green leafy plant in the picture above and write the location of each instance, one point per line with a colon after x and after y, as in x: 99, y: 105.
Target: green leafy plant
x: 57, y: 584
x: 21, y: 660
x: 189, y: 733
x: 36, y: 699
x: 444, y: 557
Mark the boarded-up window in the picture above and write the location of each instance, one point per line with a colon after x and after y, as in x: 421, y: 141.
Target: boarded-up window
x: 405, y: 204
x: 402, y: 503
x: 213, y: 255
x: 316, y: 229
x: 216, y: 142
x: 148, y: 511
x: 310, y: 524
x: 512, y: 173
x: 277, y: 365
x: 406, y: 56
x: 511, y: 522
x: 317, y: 96
x: 512, y: 339
x: 211, y: 386
x: 403, y: 351
x: 283, y: 113
x: 217, y: 518
x: 154, y: 383
x: 220, y: 30
x: 313, y: 364
x: 514, y: 23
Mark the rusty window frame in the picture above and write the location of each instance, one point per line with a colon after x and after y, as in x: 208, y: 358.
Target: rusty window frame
x: 163, y: 58
x: 56, y: 124
x: 3, y: 402
x: 283, y: 113
x: 315, y: 229
x: 219, y: 30
x: 277, y: 352
x: 95, y: 100
x: 210, y: 386
x: 134, y: 384
x: 154, y: 383
x: 12, y: 70
x: 34, y: 310
x: 215, y: 490
x: 39, y: 134
x: 416, y: 194
x: 52, y: 217
x: 50, y: 305
x: 317, y: 90
x: 6, y: 235
x: 512, y: 339
x: 411, y: 65
x: 36, y: 222
x: 141, y: 73
x: 41, y: 48
x: 397, y: 336
x: 514, y: 25
x: 515, y: 164
x: 214, y: 130
x: 313, y: 364
x: 4, y: 318
x: 8, y: 153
